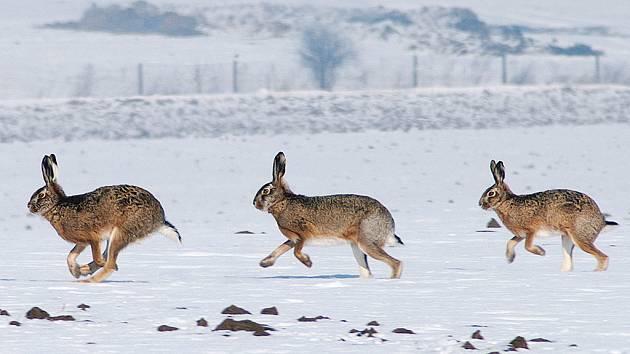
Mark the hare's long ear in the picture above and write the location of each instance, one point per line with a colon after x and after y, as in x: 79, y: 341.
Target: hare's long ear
x: 498, y: 171
x: 279, y: 163
x: 50, y: 169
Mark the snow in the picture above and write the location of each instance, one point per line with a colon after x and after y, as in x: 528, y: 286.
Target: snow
x: 454, y: 277
x: 310, y: 112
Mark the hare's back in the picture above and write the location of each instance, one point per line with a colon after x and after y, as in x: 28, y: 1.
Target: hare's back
x: 339, y: 208
x: 125, y: 201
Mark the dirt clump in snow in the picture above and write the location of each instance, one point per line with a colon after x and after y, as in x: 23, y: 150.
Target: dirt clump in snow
x: 518, y: 343
x: 37, y: 314
x: 269, y: 311
x: 167, y: 328
x: 402, y: 330
x: 312, y: 319
x: 233, y: 325
x: 235, y: 310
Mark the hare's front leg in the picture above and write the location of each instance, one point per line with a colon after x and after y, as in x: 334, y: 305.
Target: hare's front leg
x: 509, y: 250
x: 279, y: 251
x: 531, y: 247
x: 302, y: 257
x: 74, y: 268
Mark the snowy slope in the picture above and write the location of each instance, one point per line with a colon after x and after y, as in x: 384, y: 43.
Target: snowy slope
x: 313, y: 112
x: 455, y: 278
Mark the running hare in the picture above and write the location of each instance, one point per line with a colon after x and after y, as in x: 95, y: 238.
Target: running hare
x: 572, y: 214
x: 361, y: 221
x: 119, y: 214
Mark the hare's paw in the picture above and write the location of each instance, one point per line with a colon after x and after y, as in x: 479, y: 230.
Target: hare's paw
x: 90, y: 268
x: 75, y: 270
x: 510, y: 255
x: 267, y: 262
x: 536, y: 250
x: 306, y: 260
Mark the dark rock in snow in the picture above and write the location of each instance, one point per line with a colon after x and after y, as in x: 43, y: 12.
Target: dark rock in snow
x: 493, y: 224
x: 202, y: 322
x: 373, y: 323
x: 269, y: 311
x: 519, y: 342
x: 83, y: 307
x: 230, y: 324
x: 403, y: 331
x: 235, y: 310
x: 468, y: 345
x: 312, y: 319
x: 37, y: 314
x: 244, y: 232
x: 477, y: 335
x: 540, y: 340
x: 15, y: 323
x: 61, y: 318
x: 261, y: 334
x: 4, y: 313
x: 166, y: 328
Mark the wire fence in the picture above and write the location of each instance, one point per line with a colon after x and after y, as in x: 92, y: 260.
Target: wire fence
x: 394, y: 72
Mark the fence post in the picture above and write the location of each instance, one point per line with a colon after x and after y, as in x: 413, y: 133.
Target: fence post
x: 414, y: 70
x: 597, y: 72
x: 140, y: 79
x: 504, y: 68
x: 235, y: 74
x: 198, y: 79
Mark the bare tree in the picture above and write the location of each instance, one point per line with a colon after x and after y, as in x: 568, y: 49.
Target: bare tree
x: 323, y: 51
x: 85, y: 82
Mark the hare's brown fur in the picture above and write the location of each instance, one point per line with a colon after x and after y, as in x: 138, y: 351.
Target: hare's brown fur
x: 359, y: 220
x: 120, y: 214
x: 572, y: 214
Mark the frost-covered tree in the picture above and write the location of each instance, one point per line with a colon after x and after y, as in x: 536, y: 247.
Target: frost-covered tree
x: 323, y: 52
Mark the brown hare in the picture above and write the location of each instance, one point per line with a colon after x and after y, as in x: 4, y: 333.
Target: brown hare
x: 119, y: 214
x: 572, y: 214
x: 361, y: 221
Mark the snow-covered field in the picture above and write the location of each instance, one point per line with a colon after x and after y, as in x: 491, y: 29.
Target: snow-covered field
x: 455, y: 277
x: 311, y: 112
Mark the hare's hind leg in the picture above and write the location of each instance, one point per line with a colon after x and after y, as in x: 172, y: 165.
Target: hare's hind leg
x: 584, y: 240
x: 279, y: 251
x: 90, y: 268
x: 509, y: 249
x: 567, y: 252
x: 376, y: 252
x: 118, y: 241
x: 364, y: 269
x: 73, y: 266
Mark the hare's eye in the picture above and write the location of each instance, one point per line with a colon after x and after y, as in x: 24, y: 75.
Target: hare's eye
x: 492, y: 194
x: 41, y: 195
x: 266, y: 191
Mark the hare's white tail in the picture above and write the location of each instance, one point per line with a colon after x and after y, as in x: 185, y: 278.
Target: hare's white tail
x: 394, y: 241
x: 170, y: 231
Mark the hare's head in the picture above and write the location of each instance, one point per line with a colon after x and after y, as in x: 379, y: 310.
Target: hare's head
x: 499, y: 191
x: 274, y: 191
x: 47, y: 196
